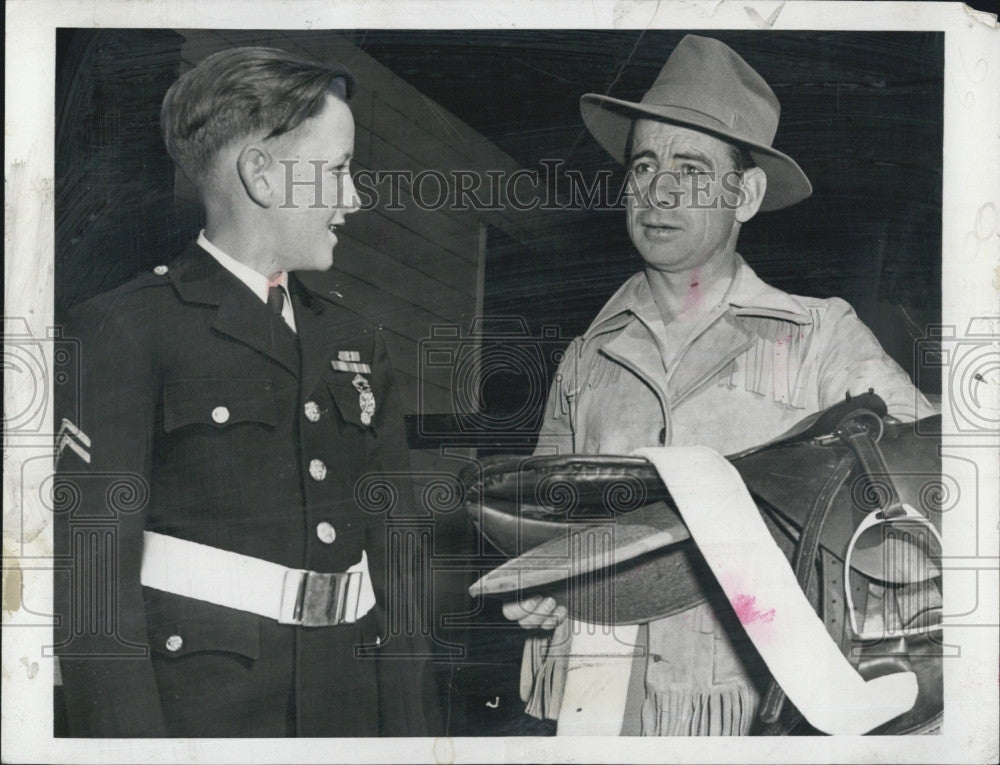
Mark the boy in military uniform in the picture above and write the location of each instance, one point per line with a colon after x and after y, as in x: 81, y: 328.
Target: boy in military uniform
x: 229, y: 405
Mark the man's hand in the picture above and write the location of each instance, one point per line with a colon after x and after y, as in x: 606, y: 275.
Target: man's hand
x: 536, y: 612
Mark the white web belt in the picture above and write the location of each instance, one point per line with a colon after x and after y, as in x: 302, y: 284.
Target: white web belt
x: 232, y: 580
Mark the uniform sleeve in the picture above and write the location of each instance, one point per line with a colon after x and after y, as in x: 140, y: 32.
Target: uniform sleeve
x: 101, y: 508
x: 853, y: 362
x: 556, y: 434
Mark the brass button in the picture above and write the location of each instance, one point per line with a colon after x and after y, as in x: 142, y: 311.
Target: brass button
x: 312, y: 411
x: 317, y: 470
x: 220, y: 414
x: 174, y: 643
x: 326, y: 533
x: 160, y: 270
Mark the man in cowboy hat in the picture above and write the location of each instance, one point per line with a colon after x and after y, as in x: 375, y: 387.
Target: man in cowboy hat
x: 696, y: 349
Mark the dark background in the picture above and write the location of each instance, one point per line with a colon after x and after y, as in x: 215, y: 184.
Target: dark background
x: 861, y: 113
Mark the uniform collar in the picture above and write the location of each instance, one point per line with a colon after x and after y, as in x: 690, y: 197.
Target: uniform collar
x: 200, y: 277
x: 257, y: 282
x: 747, y: 295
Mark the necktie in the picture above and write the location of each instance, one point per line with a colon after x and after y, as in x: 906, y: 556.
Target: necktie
x: 275, y: 299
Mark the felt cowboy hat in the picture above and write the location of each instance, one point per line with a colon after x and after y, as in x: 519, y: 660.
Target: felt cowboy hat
x: 705, y: 85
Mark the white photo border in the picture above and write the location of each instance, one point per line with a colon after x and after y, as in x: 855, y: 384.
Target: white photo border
x: 970, y: 289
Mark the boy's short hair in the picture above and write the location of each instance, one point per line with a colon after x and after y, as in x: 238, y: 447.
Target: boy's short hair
x: 243, y: 92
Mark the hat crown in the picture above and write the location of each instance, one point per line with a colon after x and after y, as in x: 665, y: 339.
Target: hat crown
x: 709, y: 78
x: 706, y: 86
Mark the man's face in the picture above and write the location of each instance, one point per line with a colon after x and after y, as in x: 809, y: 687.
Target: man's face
x: 314, y: 188
x: 682, y: 195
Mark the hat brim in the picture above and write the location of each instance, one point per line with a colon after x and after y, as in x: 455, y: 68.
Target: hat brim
x: 610, y: 120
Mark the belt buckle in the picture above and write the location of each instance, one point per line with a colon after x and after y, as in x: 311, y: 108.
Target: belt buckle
x: 311, y: 599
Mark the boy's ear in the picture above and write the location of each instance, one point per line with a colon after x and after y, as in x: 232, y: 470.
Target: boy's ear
x: 254, y: 164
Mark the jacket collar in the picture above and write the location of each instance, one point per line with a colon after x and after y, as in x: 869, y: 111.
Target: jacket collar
x: 199, y: 278
x: 633, y: 313
x: 748, y: 295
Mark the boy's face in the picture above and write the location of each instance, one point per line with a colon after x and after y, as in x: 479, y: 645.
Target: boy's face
x: 315, y: 191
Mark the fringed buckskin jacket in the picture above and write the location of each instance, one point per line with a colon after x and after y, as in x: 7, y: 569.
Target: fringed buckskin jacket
x: 753, y: 367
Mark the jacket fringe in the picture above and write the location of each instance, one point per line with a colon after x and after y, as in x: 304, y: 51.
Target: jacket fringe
x: 726, y: 710
x: 543, y: 675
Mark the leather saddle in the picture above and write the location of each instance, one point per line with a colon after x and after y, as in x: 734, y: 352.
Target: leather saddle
x: 852, y: 498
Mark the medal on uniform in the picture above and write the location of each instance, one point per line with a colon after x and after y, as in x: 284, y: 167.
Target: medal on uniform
x: 366, y: 399
x: 350, y: 361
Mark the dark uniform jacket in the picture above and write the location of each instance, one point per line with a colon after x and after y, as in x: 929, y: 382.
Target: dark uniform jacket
x: 194, y: 398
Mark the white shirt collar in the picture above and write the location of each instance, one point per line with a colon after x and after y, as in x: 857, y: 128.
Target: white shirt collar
x: 257, y: 282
